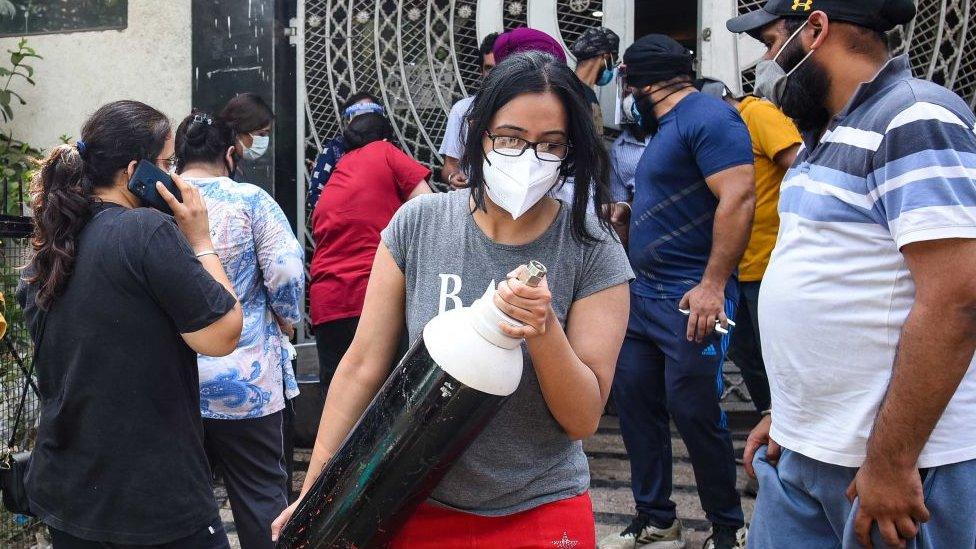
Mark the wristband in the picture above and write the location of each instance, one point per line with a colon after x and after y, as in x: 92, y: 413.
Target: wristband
x: 765, y: 413
x: 206, y: 253
x: 628, y: 206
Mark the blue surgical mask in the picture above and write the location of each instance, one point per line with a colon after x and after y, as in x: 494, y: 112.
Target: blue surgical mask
x: 606, y: 75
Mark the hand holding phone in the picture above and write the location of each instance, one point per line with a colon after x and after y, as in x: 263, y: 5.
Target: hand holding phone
x: 143, y: 185
x: 190, y: 212
x: 718, y: 323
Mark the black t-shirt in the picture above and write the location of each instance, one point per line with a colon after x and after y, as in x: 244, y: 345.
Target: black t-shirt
x: 119, y: 456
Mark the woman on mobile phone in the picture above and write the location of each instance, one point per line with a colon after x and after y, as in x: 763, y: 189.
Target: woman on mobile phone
x: 524, y: 481
x: 243, y: 395
x: 119, y: 300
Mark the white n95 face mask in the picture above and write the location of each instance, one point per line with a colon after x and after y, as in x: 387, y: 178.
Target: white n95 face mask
x: 516, y: 183
x: 259, y: 146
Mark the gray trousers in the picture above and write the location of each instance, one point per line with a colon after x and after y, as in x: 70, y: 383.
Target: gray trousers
x: 249, y: 454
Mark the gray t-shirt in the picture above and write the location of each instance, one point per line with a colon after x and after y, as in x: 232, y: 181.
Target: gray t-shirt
x: 523, y: 459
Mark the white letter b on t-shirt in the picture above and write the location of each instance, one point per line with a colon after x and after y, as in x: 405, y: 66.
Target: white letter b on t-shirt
x: 450, y: 288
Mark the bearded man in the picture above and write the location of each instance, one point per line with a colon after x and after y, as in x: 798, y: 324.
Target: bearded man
x: 868, y: 307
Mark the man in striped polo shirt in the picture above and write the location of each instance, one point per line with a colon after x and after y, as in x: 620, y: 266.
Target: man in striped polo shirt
x: 868, y: 307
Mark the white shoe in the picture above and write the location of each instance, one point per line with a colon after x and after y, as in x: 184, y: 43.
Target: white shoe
x: 722, y: 537
x: 642, y: 534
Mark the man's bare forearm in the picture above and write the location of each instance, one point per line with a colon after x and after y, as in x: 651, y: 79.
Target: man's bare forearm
x: 935, y: 351
x: 730, y: 236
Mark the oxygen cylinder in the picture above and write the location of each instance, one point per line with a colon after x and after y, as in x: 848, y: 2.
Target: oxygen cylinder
x: 439, y: 398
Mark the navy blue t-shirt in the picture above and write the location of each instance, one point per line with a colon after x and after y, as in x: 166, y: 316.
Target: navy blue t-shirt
x: 671, y: 227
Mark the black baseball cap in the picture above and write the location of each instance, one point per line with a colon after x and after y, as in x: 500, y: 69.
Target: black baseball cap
x: 880, y: 15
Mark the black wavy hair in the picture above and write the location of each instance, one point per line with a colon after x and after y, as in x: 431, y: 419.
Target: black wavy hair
x: 62, y: 191
x: 487, y: 46
x: 536, y: 72
x: 203, y: 138
x: 365, y: 129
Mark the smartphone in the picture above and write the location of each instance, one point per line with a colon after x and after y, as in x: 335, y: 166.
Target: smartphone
x: 143, y: 185
x: 718, y: 323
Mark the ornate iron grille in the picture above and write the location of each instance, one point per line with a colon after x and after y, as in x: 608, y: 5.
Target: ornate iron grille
x: 578, y: 16
x: 464, y: 42
x: 745, y: 6
x: 748, y: 77
x: 515, y: 14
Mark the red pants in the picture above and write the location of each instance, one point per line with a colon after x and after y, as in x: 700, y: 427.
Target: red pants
x: 565, y: 524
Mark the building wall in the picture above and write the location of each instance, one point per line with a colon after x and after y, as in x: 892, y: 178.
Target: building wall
x: 149, y: 61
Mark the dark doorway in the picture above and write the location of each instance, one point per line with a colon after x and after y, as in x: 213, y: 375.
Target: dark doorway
x: 243, y: 47
x: 678, y: 20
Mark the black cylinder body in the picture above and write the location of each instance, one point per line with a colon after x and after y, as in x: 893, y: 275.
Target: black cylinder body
x: 417, y: 425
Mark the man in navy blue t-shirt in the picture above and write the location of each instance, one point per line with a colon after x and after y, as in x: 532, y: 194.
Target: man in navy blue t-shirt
x: 692, y: 214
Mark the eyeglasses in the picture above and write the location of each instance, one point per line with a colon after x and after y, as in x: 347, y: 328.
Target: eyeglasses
x: 170, y: 162
x: 507, y: 145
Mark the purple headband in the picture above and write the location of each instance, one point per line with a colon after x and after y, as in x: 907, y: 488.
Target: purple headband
x: 525, y: 39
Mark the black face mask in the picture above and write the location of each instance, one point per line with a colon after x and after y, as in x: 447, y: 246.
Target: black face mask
x: 232, y: 169
x: 805, y: 93
x: 645, y: 108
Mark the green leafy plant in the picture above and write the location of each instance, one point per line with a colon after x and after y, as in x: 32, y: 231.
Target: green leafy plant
x: 18, y: 70
x: 16, y: 157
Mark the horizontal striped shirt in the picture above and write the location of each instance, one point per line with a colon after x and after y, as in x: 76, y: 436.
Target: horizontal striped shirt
x: 896, y: 167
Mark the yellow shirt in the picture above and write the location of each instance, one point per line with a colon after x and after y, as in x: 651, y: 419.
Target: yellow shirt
x: 772, y: 133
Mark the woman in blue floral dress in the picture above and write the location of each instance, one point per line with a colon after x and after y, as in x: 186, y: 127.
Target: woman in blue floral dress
x: 243, y: 395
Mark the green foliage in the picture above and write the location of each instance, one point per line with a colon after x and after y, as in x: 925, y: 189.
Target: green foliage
x: 16, y: 157
x: 18, y: 70
x: 17, y: 161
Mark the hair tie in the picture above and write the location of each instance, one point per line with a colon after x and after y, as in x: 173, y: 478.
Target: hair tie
x: 81, y: 146
x: 203, y: 118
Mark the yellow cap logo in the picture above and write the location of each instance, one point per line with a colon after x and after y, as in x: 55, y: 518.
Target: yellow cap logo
x: 806, y: 5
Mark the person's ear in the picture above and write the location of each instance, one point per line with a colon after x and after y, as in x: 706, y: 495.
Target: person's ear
x: 230, y: 154
x: 130, y: 170
x: 820, y: 24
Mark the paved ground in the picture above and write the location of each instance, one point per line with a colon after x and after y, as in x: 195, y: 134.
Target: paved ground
x: 613, y: 503
x: 610, y: 487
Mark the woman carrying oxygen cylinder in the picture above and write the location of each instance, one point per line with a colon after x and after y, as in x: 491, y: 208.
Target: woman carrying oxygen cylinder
x: 524, y: 480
